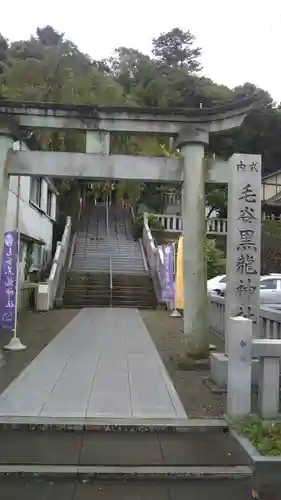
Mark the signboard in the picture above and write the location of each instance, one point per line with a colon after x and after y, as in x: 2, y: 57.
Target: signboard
x: 166, y: 275
x: 8, y: 282
x: 179, y: 291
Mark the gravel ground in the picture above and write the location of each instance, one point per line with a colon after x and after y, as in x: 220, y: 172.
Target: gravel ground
x: 197, y: 399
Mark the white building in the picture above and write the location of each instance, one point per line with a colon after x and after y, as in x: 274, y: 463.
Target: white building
x: 173, y: 206
x: 37, y: 214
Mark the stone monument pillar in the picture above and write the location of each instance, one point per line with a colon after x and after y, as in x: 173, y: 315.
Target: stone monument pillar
x: 191, y: 142
x: 242, y: 297
x: 243, y: 240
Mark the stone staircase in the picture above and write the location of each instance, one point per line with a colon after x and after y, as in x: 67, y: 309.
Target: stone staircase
x: 133, y: 291
x: 93, y: 289
x: 119, y: 461
x: 108, y: 265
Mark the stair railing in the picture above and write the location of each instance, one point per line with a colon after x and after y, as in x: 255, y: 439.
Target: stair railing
x: 87, y: 233
x: 155, y: 257
x: 47, y: 290
x: 110, y: 281
x: 107, y: 221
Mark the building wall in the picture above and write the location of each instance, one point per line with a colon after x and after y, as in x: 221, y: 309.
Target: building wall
x: 271, y: 186
x: 176, y: 210
x: 173, y: 206
x: 37, y: 213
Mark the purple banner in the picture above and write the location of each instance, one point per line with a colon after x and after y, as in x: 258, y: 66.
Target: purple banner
x: 167, y: 277
x: 8, y: 282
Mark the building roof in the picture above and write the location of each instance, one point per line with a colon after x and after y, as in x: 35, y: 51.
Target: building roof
x: 272, y: 174
x: 27, y: 238
x: 274, y: 200
x: 93, y: 110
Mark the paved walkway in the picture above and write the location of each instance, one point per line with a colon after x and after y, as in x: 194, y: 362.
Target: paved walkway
x: 102, y: 364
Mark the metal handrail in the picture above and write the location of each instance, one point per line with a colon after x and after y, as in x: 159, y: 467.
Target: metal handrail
x: 107, y: 220
x: 87, y: 232
x: 110, y: 280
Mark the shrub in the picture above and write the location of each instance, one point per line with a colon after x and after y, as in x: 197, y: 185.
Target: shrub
x: 215, y: 260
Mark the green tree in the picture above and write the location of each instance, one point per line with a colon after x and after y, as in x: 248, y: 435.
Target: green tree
x: 4, y: 46
x: 216, y: 199
x: 176, y: 49
x: 49, y: 67
x: 214, y: 258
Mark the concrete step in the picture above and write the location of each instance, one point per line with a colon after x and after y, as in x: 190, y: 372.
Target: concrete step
x: 95, y: 248
x: 115, y: 266
x: 92, y: 240
x: 82, y: 294
x: 113, y: 447
x: 89, y: 283
x: 122, y: 463
x: 107, y: 248
x: 89, y: 268
x: 98, y: 264
x: 136, y: 292
x: 28, y: 488
x: 133, y: 280
x: 88, y: 278
x: 106, y: 258
x: 125, y: 272
x: 92, y: 289
x: 94, y: 299
x: 120, y: 256
x: 106, y: 304
x: 142, y: 306
x: 98, y: 302
x: 99, y: 267
x: 130, y: 261
x: 116, y: 290
x: 92, y: 237
x: 96, y: 288
x: 99, y: 238
x: 107, y: 251
x: 103, y: 252
x: 134, y: 288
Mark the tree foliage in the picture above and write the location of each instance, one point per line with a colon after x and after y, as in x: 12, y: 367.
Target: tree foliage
x: 214, y: 258
x: 176, y: 49
x: 49, y: 67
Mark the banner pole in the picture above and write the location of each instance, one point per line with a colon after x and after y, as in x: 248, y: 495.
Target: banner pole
x: 15, y: 343
x: 175, y: 313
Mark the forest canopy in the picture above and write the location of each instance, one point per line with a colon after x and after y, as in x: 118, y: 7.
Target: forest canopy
x: 49, y: 67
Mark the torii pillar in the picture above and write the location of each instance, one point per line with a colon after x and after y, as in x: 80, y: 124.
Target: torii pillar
x: 191, y: 142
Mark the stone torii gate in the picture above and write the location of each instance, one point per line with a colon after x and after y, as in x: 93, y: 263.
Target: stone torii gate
x: 190, y: 127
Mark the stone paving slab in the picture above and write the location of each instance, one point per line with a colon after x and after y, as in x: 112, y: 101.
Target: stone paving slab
x: 67, y: 489
x: 46, y: 448
x: 103, y: 364
x: 94, y: 448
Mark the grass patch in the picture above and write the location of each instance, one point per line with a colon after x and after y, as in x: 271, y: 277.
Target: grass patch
x: 264, y: 436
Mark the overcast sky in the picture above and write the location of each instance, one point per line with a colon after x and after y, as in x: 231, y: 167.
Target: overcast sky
x: 240, y: 40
